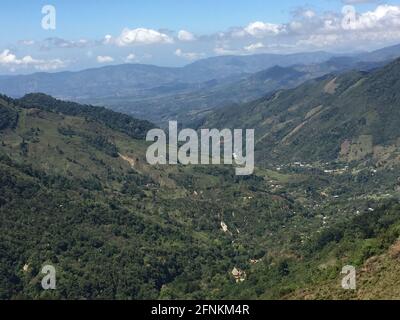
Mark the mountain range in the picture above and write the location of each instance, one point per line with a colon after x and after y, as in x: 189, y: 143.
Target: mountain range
x: 159, y: 94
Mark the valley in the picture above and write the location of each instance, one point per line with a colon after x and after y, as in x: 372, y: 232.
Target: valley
x: 78, y: 192
x: 85, y: 199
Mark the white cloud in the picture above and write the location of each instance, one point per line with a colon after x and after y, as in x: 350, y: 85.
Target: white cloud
x: 105, y: 59
x: 254, y: 47
x: 295, y: 25
x: 384, y: 16
x: 130, y: 58
x: 261, y: 29
x: 184, y: 35
x: 55, y: 42
x: 142, y: 36
x: 351, y: 30
x: 188, y: 55
x: 345, y: 31
x: 309, y: 14
x: 10, y: 60
x: 108, y: 39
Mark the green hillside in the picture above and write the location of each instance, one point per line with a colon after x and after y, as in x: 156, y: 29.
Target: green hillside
x: 347, y: 117
x: 77, y: 192
x: 79, y: 195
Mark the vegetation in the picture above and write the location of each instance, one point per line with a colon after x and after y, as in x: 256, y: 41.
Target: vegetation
x: 349, y: 117
x: 77, y: 193
x: 8, y: 117
x: 114, y: 120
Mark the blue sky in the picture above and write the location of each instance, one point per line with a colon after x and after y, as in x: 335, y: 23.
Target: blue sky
x: 90, y: 33
x: 93, y: 18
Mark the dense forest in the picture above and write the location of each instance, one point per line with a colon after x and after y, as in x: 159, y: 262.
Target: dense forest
x: 77, y: 193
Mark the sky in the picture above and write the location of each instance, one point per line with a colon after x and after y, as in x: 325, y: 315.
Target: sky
x: 58, y: 35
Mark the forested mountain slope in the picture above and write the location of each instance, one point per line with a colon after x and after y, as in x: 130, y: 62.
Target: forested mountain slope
x: 76, y: 192
x: 353, y: 116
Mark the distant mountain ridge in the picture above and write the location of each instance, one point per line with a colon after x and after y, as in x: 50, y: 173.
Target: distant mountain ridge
x: 160, y: 94
x: 133, y: 79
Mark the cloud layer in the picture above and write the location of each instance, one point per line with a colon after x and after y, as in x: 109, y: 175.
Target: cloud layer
x: 344, y: 31
x: 10, y: 60
x: 307, y: 30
